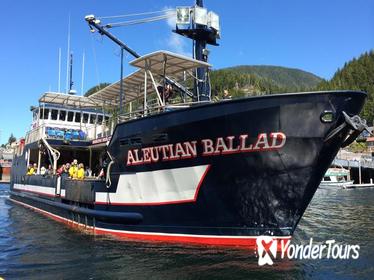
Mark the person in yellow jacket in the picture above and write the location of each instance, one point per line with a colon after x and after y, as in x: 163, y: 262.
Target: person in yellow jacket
x: 73, y: 169
x: 32, y: 169
x: 80, y: 172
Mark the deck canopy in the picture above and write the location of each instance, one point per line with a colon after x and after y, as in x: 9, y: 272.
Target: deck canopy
x: 69, y: 100
x: 155, y: 65
x: 172, y: 62
x: 133, y: 88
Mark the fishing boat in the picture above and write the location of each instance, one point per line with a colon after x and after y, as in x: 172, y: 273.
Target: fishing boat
x: 336, y: 178
x: 185, y: 170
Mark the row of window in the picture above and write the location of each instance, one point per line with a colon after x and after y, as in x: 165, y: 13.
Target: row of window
x: 70, y: 116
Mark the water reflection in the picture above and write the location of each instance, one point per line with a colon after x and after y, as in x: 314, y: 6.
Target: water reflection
x: 35, y: 247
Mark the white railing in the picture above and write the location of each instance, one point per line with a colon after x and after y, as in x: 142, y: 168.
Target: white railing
x: 35, y: 135
x: 152, y: 110
x: 91, y: 132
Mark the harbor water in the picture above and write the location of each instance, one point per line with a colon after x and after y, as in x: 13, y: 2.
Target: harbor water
x: 33, y: 246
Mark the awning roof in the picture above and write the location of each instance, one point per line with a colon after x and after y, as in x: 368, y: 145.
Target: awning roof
x: 133, y: 85
x: 133, y: 88
x: 175, y: 63
x: 68, y: 100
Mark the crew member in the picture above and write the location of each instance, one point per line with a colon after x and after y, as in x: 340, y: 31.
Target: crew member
x: 32, y: 169
x: 80, y: 172
x: 73, y: 169
x: 168, y: 93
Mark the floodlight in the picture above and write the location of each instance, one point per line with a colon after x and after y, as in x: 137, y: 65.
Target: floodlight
x: 200, y: 16
x: 89, y: 17
x: 213, y: 21
x: 183, y: 15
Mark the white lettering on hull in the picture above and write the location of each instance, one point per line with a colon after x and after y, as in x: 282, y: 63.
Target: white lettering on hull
x: 209, y: 147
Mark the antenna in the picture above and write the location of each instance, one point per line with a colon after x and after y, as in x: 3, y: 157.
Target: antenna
x: 67, y: 59
x: 59, y: 70
x: 82, y: 82
x: 71, y: 75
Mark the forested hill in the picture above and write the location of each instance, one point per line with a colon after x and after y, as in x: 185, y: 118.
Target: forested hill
x: 282, y: 76
x: 357, y: 74
x: 261, y: 79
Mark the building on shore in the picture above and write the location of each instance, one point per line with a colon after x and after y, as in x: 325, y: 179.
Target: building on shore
x: 6, y: 158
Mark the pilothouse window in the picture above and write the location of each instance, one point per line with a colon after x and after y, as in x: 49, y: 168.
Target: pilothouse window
x: 54, y: 114
x: 62, y: 115
x: 99, y: 119
x: 35, y: 115
x: 44, y: 114
x: 92, y: 119
x: 85, y: 118
x: 70, y: 116
x: 77, y: 117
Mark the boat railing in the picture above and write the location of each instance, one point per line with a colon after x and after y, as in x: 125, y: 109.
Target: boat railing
x: 50, y: 132
x: 35, y: 134
x: 156, y: 109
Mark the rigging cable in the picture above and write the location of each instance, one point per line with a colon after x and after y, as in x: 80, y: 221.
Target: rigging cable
x: 95, y: 60
x: 196, y: 78
x: 139, y: 21
x: 137, y: 14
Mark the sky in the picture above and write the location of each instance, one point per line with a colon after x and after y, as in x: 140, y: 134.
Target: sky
x: 317, y: 36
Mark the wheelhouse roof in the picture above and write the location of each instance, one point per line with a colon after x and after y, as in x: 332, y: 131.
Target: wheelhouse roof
x: 69, y: 100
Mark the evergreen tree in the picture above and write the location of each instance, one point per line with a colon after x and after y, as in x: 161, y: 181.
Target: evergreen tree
x: 357, y: 74
x: 12, y: 139
x: 96, y: 89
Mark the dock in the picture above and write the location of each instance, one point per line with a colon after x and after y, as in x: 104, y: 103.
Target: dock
x: 5, y: 179
x: 362, y: 172
x: 359, y: 186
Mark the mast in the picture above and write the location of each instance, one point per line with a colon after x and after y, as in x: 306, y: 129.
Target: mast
x: 71, y: 74
x: 203, y: 28
x: 67, y: 59
x: 82, y: 81
x: 201, y: 92
x: 59, y: 70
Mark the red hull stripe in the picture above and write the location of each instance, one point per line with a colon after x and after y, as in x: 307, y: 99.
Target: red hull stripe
x: 245, y: 241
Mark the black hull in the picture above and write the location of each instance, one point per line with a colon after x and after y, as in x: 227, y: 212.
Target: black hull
x: 243, y: 193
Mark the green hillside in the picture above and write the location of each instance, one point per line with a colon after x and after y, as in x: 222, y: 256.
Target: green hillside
x: 282, y: 76
x: 260, y: 80
x: 357, y: 74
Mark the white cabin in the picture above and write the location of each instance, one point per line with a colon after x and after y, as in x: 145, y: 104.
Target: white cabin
x: 67, y: 117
